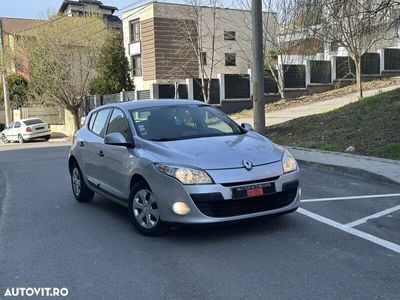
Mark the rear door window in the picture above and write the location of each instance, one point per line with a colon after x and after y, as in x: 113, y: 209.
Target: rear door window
x: 100, y: 124
x: 91, y: 122
x: 17, y: 125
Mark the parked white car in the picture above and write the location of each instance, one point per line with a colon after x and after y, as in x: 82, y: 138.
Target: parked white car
x: 25, y: 130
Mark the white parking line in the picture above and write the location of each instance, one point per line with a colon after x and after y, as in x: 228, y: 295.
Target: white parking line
x: 351, y: 197
x: 366, y: 236
x: 374, y: 216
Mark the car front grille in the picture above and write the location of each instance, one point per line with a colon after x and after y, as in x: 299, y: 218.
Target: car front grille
x: 214, y: 205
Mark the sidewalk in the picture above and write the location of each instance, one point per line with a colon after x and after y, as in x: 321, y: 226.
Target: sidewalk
x: 368, y: 167
x: 284, y: 115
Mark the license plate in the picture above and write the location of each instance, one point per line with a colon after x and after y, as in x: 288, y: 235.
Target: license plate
x: 253, y: 190
x: 39, y: 128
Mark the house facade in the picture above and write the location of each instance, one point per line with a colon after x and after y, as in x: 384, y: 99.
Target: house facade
x: 75, y: 8
x: 10, y: 29
x: 174, y: 45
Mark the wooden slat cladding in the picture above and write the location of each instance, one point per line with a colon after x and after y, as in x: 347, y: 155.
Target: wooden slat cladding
x: 174, y: 55
x: 148, y: 49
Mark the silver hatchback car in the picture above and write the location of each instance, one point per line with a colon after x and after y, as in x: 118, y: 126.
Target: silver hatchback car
x: 180, y: 161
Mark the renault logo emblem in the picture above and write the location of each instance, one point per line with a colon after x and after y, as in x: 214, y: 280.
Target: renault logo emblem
x: 247, y: 164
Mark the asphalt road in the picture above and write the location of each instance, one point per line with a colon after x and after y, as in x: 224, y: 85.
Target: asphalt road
x: 47, y: 239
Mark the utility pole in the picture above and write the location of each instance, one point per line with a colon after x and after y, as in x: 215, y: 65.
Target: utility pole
x: 5, y: 82
x: 258, y: 67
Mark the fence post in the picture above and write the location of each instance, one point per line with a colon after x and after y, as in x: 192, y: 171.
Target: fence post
x: 333, y: 69
x: 381, y: 60
x: 189, y: 82
x: 154, y: 94
x: 221, y: 78
x: 308, y: 72
x: 97, y: 100
x: 122, y: 96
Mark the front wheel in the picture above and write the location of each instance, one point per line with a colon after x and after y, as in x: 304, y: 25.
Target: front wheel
x: 144, y: 211
x: 81, y: 192
x: 4, y: 139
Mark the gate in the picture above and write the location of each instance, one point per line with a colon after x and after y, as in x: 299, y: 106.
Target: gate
x: 295, y: 76
x: 345, y: 68
x: 320, y: 71
x: 214, y: 93
x: 392, y: 59
x: 237, y: 86
x: 370, y: 64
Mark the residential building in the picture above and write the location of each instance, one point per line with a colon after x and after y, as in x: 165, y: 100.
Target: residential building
x: 174, y: 45
x: 82, y: 7
x: 10, y: 29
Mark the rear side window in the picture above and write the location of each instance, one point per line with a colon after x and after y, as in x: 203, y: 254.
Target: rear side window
x: 119, y: 123
x: 33, y: 122
x: 100, y: 124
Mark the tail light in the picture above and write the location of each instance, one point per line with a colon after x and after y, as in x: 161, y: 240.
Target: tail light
x: 28, y: 129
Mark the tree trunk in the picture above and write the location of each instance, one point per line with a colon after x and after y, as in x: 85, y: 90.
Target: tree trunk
x: 76, y: 122
x: 359, y: 78
x: 281, y: 85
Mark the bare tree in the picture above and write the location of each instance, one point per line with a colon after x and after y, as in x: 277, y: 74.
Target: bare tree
x: 196, y: 48
x: 356, y: 25
x: 62, y: 57
x: 284, y: 34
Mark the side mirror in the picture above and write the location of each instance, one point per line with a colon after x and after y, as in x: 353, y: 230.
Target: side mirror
x: 247, y: 127
x: 117, y: 139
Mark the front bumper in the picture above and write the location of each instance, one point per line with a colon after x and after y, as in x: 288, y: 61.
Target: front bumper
x: 213, y: 203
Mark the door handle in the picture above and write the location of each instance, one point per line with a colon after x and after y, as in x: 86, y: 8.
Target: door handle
x: 100, y: 153
x: 81, y: 143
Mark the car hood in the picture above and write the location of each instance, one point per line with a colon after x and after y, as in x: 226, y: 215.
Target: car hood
x: 222, y: 152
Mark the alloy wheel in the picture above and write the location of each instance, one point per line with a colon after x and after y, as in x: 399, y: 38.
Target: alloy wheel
x: 76, y: 181
x: 145, y: 209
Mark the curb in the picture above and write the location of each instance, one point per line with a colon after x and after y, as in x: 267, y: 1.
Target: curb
x: 348, y: 171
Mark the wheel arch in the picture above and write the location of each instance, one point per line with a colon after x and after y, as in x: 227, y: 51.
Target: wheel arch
x: 71, y: 161
x: 136, y: 178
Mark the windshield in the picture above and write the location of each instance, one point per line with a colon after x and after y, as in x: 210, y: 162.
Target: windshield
x: 181, y: 122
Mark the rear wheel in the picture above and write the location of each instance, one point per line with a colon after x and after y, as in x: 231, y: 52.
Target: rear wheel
x: 81, y: 192
x: 47, y: 137
x: 20, y: 139
x: 144, y: 211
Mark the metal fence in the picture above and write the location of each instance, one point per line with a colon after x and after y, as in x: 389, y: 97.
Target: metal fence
x: 320, y: 71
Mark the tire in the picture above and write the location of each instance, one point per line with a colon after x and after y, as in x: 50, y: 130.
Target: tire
x: 4, y: 139
x: 20, y: 139
x: 79, y: 188
x: 47, y: 137
x: 144, y: 212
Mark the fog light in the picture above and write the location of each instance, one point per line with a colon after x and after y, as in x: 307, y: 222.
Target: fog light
x: 181, y: 208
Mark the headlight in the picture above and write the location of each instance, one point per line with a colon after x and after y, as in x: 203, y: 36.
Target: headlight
x: 185, y: 175
x: 289, y: 164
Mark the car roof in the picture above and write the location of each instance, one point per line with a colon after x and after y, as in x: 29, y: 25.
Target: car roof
x: 135, y: 104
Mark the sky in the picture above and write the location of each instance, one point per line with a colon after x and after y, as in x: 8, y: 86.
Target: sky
x: 37, y: 9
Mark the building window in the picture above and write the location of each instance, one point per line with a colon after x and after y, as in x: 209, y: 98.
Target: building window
x: 137, y: 65
x: 229, y: 35
x: 134, y: 27
x: 203, y: 58
x: 230, y: 59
